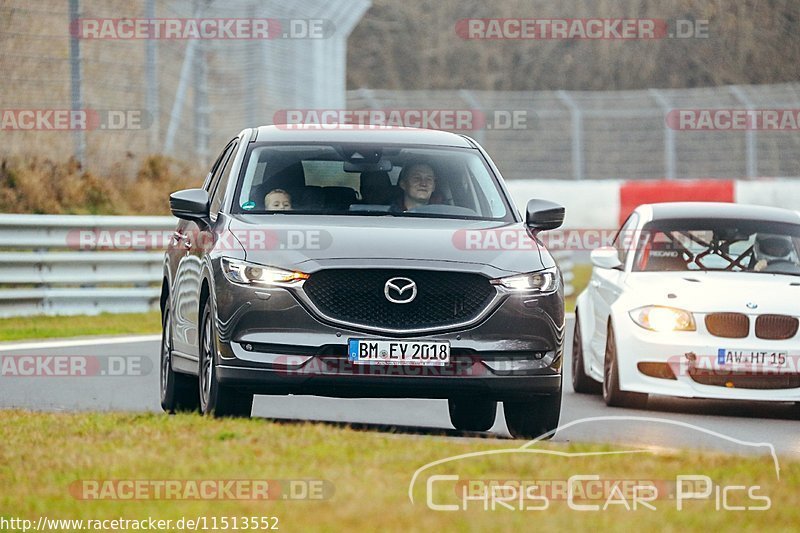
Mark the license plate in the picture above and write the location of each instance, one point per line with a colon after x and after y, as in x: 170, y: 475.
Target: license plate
x: 751, y: 358
x: 391, y: 352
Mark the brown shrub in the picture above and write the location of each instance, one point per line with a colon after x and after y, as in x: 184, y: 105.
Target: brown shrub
x: 43, y: 186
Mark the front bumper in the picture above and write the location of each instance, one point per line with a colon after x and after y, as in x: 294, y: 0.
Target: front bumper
x: 338, y: 385
x: 692, y: 360
x: 270, y: 343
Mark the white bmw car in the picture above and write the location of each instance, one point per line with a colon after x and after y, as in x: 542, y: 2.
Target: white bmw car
x: 694, y: 300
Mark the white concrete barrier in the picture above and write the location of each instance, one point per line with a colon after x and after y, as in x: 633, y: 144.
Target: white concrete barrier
x: 603, y: 204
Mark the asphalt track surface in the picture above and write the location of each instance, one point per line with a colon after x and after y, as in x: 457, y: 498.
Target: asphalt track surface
x: 666, y: 423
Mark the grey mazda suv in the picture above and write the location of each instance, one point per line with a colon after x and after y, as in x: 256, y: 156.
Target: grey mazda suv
x: 358, y: 262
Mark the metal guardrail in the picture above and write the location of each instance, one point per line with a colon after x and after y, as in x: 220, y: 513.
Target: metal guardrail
x: 72, y: 264
x: 63, y: 231
x: 66, y: 264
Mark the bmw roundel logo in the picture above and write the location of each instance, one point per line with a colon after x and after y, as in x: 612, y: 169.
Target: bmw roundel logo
x: 752, y: 305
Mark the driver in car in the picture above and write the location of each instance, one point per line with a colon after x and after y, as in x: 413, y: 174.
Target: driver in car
x: 418, y: 181
x: 770, y: 249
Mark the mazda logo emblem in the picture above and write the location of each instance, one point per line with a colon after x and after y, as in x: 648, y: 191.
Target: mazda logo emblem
x: 400, y: 290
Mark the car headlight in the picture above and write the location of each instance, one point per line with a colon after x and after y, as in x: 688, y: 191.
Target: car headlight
x: 661, y: 318
x: 544, y: 281
x: 250, y: 274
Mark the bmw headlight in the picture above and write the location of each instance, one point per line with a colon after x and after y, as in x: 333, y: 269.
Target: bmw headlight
x: 662, y: 318
x: 542, y: 282
x: 251, y: 274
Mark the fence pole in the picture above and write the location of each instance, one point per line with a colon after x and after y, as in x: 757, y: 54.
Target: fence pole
x: 751, y: 143
x: 669, y: 134
x: 472, y: 102
x: 180, y: 96
x: 577, y: 134
x: 76, y: 77
x: 201, y: 104
x: 151, y: 75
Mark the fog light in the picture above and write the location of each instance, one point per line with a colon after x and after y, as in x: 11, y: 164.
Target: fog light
x: 656, y: 370
x: 536, y: 361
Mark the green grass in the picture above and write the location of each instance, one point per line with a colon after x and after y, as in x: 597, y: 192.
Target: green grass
x: 44, y: 327
x: 43, y: 455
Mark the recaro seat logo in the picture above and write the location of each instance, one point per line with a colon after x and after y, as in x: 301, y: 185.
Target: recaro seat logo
x: 400, y: 290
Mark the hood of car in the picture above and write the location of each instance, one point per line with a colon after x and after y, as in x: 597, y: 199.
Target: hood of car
x: 313, y: 242
x: 704, y: 292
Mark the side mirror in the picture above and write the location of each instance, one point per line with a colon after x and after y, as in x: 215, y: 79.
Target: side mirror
x: 541, y: 215
x: 190, y: 204
x: 605, y: 257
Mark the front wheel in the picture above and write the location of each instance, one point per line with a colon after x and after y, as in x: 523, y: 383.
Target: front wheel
x: 216, y: 399
x: 612, y: 394
x: 178, y: 391
x: 534, y: 417
x: 472, y: 414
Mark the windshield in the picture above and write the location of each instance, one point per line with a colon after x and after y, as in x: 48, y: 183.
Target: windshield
x: 714, y: 244
x: 369, y: 180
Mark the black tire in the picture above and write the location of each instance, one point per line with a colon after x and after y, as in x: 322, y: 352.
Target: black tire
x: 179, y: 392
x: 468, y: 414
x: 581, y: 383
x: 534, y: 417
x: 612, y: 394
x: 216, y: 399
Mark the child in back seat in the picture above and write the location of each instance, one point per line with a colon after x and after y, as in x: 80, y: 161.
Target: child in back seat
x: 278, y: 200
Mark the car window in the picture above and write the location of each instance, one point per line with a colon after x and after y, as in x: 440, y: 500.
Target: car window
x: 211, y: 177
x: 222, y: 184
x: 719, y: 244
x: 370, y: 179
